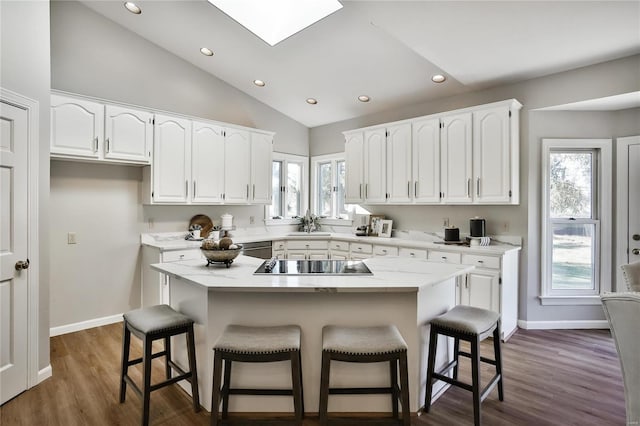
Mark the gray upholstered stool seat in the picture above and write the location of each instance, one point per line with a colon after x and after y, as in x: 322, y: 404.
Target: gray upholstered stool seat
x: 256, y: 344
x: 364, y: 345
x: 150, y: 324
x: 472, y: 325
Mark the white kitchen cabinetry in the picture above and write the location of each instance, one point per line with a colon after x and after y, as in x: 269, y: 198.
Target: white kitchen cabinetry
x: 398, y: 162
x: 278, y: 249
x: 456, y: 158
x: 426, y: 160
x: 354, y: 157
x: 171, y: 172
x: 375, y: 186
x: 261, y: 152
x: 207, y: 163
x: 412, y: 252
x: 360, y: 251
x: 88, y: 130
x: 379, y: 250
x: 237, y: 166
x: 339, y: 250
x: 481, y: 288
x: 307, y: 249
x: 155, y: 286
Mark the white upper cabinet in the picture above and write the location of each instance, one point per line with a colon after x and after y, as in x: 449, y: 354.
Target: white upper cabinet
x: 399, y: 178
x: 128, y: 134
x: 456, y: 161
x: 207, y: 163
x: 492, y: 158
x: 261, y: 153
x: 88, y: 130
x: 375, y: 188
x: 237, y: 166
x: 77, y: 127
x: 172, y: 159
x: 426, y: 160
x: 354, y: 158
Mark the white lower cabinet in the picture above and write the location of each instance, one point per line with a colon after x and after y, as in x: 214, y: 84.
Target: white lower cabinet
x: 412, y: 252
x: 360, y: 251
x: 307, y: 249
x: 155, y: 286
x: 379, y: 250
x: 481, y: 289
x: 339, y: 250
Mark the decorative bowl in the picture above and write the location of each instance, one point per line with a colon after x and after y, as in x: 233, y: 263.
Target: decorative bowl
x: 221, y: 256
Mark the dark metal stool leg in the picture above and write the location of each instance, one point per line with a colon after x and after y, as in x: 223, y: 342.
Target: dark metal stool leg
x: 456, y: 356
x: 433, y: 344
x: 215, y: 392
x: 296, y: 386
x: 146, y: 385
x: 393, y: 376
x: 124, y: 371
x: 191, y: 349
x: 324, y: 388
x: 475, y: 377
x: 498, y: 358
x: 167, y: 357
x: 301, y: 387
x: 404, y: 389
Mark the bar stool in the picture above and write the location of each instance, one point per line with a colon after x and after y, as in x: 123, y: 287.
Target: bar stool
x: 366, y: 345
x: 256, y: 344
x: 472, y: 325
x: 150, y: 324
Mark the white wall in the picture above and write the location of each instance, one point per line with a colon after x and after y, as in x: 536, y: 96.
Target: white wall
x: 25, y: 69
x: 606, y: 79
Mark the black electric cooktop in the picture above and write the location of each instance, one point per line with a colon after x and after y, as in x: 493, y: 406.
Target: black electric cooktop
x: 309, y: 267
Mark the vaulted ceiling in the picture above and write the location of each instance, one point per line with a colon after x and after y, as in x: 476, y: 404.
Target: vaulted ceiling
x: 388, y: 50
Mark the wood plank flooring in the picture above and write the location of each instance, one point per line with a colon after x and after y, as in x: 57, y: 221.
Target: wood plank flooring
x: 552, y: 377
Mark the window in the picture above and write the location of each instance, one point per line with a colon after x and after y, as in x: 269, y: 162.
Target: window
x: 576, y: 239
x: 289, y: 182
x: 328, y: 186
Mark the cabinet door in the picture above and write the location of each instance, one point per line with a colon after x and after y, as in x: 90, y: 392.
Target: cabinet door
x: 296, y: 254
x: 375, y: 187
x: 128, y: 134
x: 456, y: 158
x: 261, y: 148
x: 339, y: 255
x: 77, y: 127
x: 492, y: 155
x: 171, y: 159
x: 354, y: 162
x: 207, y: 163
x: 399, y: 185
x: 482, y: 290
x: 318, y: 255
x: 426, y: 160
x: 237, y: 170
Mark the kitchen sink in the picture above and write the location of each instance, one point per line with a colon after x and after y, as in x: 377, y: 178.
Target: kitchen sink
x: 308, y: 234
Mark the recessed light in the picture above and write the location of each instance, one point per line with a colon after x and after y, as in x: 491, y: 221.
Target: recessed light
x: 364, y: 98
x: 206, y: 51
x: 259, y: 83
x: 312, y: 101
x: 438, y: 78
x: 132, y: 7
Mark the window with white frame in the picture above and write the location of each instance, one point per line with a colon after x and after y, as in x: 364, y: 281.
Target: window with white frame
x: 576, y: 243
x: 289, y: 182
x: 328, y: 179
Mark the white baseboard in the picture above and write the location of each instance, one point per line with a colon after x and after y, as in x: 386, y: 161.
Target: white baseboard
x: 44, y: 374
x: 563, y: 325
x: 78, y: 326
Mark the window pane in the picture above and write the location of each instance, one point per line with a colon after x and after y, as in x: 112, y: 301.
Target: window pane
x: 324, y: 189
x: 572, y: 256
x: 342, y: 211
x: 294, y: 189
x: 276, y: 198
x: 570, y: 178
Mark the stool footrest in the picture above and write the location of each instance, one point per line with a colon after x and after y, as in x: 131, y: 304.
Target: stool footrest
x: 453, y: 382
x: 360, y: 391
x: 139, y: 360
x: 487, y: 389
x: 170, y: 381
x: 238, y: 391
x: 483, y: 359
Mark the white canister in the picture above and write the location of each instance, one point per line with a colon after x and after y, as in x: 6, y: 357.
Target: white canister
x: 227, y: 221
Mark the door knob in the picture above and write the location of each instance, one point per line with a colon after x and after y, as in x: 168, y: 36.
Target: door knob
x: 636, y: 237
x: 635, y: 251
x: 22, y: 264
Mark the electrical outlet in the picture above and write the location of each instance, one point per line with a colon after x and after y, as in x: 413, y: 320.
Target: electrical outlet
x: 445, y: 221
x: 505, y: 226
x: 71, y: 238
x: 252, y: 220
x: 151, y: 223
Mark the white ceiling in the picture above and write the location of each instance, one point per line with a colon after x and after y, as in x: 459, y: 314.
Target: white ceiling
x: 389, y: 50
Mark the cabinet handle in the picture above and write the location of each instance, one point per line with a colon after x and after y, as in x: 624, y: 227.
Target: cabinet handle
x: 366, y: 190
x: 247, y: 191
x: 466, y: 281
x: 480, y: 261
x: 186, y: 188
x: 108, y: 144
x: 469, y: 187
x: 95, y: 144
x: 360, y: 190
x: 254, y: 191
x: 194, y: 188
x: 478, y: 187
x: 415, y: 189
x: 409, y: 189
x: 444, y: 257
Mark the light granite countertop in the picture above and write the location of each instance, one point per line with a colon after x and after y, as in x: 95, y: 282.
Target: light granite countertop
x: 390, y: 274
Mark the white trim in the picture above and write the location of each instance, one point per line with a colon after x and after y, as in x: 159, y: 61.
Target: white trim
x: 569, y: 300
x: 83, y: 325
x: 304, y: 185
x: 604, y: 212
x: 44, y: 374
x: 563, y: 325
x: 622, y: 204
x: 32, y: 107
x: 313, y: 187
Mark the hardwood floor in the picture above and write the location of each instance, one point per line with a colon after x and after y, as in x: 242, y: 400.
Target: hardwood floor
x: 552, y: 377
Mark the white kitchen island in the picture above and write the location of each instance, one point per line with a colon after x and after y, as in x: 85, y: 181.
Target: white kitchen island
x: 402, y: 291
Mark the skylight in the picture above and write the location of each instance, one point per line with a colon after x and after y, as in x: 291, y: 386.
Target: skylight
x: 276, y: 20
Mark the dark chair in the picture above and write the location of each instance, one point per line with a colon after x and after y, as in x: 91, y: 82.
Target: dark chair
x: 366, y: 345
x: 150, y: 324
x: 256, y: 344
x: 472, y: 325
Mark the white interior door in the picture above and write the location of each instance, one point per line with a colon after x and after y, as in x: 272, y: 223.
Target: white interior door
x: 628, y: 204
x: 13, y: 250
